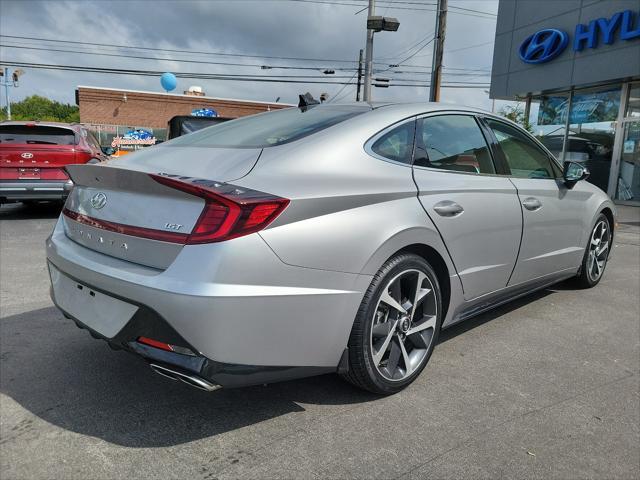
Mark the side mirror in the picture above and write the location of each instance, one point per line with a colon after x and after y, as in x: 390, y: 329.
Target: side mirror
x: 108, y: 150
x: 574, y: 172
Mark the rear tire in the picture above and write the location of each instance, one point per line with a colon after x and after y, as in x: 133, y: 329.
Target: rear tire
x: 396, y: 327
x: 596, y: 254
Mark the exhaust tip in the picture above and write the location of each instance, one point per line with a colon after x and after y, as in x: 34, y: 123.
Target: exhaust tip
x: 191, y: 380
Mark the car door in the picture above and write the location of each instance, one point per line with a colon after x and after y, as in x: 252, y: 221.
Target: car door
x: 475, y: 210
x: 552, y: 213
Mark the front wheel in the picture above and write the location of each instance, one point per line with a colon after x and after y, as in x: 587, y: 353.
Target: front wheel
x: 596, y: 255
x: 396, y: 327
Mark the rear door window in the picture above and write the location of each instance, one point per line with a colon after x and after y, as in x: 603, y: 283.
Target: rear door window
x: 452, y: 142
x: 37, y: 134
x: 396, y: 144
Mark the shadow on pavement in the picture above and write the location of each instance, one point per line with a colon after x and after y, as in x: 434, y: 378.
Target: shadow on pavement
x: 68, y: 379
x: 466, y: 325
x: 20, y: 211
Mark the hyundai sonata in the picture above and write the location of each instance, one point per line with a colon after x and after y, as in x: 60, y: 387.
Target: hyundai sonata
x: 331, y: 238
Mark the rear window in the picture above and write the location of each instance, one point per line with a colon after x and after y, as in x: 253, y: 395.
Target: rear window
x: 36, y: 135
x: 271, y: 128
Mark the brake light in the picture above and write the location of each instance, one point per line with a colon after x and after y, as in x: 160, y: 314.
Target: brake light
x: 229, y: 211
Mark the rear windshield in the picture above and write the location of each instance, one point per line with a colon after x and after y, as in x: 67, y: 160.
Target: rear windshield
x: 36, y: 135
x: 271, y: 128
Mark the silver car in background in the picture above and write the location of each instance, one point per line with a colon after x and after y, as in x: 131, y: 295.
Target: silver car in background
x: 331, y: 238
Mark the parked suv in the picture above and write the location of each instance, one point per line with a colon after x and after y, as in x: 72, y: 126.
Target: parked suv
x: 33, y: 156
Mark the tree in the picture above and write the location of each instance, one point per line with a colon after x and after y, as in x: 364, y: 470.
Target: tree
x: 36, y: 107
x: 515, y: 113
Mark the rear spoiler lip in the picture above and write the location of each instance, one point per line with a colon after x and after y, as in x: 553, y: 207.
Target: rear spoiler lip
x: 104, y: 176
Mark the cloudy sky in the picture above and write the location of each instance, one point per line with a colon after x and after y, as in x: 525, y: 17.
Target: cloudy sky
x: 327, y: 32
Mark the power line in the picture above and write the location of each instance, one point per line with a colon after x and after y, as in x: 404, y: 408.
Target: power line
x: 140, y: 57
x: 169, y: 50
x: 406, y: 50
x: 208, y: 76
x: 285, y: 67
x: 490, y: 42
x: 474, y: 11
x: 348, y: 3
x: 394, y: 5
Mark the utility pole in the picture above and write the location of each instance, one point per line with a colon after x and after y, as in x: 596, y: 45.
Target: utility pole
x: 359, y: 75
x: 368, y: 66
x: 438, y: 47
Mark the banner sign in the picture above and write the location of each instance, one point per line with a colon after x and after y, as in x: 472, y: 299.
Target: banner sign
x: 590, y: 107
x: 134, y: 137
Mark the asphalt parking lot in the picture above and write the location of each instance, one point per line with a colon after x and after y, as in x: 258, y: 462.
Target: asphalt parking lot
x: 547, y: 387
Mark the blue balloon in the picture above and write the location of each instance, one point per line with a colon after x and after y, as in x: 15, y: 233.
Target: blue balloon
x: 168, y: 81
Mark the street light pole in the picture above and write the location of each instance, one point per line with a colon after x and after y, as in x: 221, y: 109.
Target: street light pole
x: 368, y: 62
x: 6, y: 92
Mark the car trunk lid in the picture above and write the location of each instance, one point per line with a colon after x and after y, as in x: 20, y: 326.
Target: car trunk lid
x: 146, y: 213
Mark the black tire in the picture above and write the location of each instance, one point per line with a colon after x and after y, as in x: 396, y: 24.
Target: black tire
x: 584, y: 279
x: 362, y: 371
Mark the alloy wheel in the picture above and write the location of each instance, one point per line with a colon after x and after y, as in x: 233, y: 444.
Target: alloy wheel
x: 598, y: 250
x: 404, y: 324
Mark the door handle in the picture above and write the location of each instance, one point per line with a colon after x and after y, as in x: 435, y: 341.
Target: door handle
x: 532, y: 203
x: 447, y: 208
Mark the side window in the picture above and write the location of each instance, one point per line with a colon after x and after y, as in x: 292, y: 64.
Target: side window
x: 396, y: 144
x: 91, y: 138
x: 524, y: 157
x: 452, y: 142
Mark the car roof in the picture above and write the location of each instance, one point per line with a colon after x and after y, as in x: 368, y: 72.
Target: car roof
x: 72, y: 126
x: 415, y: 108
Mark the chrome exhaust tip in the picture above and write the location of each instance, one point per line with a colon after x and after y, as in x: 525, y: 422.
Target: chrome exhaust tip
x: 190, y: 380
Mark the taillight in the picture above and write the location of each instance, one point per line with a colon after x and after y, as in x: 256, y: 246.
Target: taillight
x: 229, y: 211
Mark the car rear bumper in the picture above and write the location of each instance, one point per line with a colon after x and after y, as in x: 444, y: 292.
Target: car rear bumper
x: 249, y: 317
x: 34, y: 189
x: 148, y: 323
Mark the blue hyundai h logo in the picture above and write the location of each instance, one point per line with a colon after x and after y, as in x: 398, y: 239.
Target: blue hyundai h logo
x: 543, y: 46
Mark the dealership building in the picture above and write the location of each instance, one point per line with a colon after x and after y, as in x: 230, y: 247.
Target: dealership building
x: 576, y: 64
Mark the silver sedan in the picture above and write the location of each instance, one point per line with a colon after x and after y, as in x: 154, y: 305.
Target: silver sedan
x: 330, y: 238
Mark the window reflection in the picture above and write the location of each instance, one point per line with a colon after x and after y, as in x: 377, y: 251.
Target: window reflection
x: 590, y: 135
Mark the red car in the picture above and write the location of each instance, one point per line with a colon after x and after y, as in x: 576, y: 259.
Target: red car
x: 33, y: 156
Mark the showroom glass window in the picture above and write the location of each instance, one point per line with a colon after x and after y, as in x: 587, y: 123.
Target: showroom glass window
x: 397, y: 143
x: 452, y: 142
x: 628, y: 184
x: 524, y: 157
x: 592, y: 129
x: 547, y: 120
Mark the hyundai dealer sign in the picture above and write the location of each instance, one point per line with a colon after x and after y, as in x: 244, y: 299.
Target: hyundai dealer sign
x: 547, y: 44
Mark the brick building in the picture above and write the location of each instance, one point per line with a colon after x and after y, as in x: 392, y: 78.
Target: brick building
x: 110, y: 106
x: 112, y: 112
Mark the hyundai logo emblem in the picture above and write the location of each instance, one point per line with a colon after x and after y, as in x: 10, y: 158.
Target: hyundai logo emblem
x: 99, y: 200
x: 27, y: 155
x: 543, y: 46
